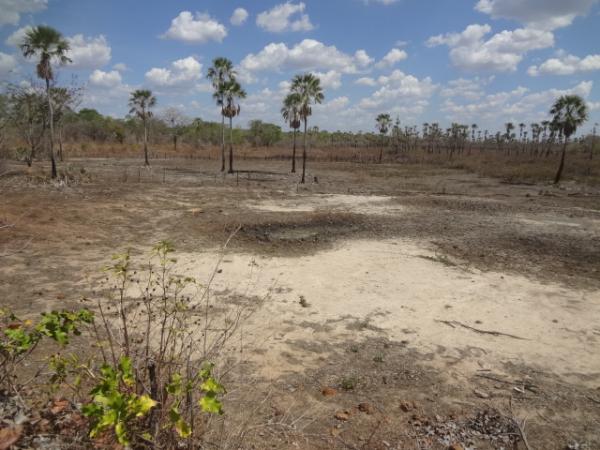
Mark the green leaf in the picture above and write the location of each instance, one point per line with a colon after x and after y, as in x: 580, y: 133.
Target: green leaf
x: 121, y: 433
x: 211, y: 404
x: 211, y: 385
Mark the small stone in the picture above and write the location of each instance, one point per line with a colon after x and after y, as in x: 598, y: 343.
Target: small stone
x: 328, y: 392
x: 342, y: 415
x: 481, y: 394
x: 366, y: 408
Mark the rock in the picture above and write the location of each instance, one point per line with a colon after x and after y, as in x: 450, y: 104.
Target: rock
x: 328, y: 392
x: 366, y: 408
x: 342, y: 415
x: 407, y: 406
x: 9, y: 436
x: 481, y: 394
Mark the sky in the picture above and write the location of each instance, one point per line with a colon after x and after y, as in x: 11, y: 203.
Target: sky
x: 469, y: 61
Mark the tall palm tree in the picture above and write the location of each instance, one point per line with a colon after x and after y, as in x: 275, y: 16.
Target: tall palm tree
x: 141, y: 103
x: 49, y: 45
x: 219, y: 74
x: 308, y: 87
x: 230, y: 92
x: 382, y: 123
x: 509, y: 127
x: 291, y: 114
x: 569, y: 112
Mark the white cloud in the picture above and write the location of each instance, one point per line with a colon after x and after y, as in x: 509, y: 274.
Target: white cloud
x: 307, y: 55
x: 88, y: 52
x: 520, y: 104
x: 539, y: 14
x: 197, y: 29
x: 392, y: 58
x: 8, y: 64
x: 366, y: 81
x: 285, y: 17
x: 362, y: 58
x: 11, y: 10
x: 470, y: 89
x: 330, y: 80
x: 332, y: 105
x: 382, y: 2
x: 105, y: 79
x: 400, y: 92
x: 183, y: 72
x: 18, y: 36
x: 239, y: 16
x: 566, y: 65
x: 121, y: 67
x: 502, y: 52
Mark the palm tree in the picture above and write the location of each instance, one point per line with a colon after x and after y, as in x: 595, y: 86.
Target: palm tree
x: 229, y: 93
x: 569, y: 112
x: 219, y: 74
x: 291, y: 114
x: 382, y: 123
x: 509, y: 127
x: 308, y: 87
x: 141, y: 103
x: 49, y: 45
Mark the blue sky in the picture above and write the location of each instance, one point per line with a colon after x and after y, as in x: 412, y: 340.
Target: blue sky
x: 478, y: 61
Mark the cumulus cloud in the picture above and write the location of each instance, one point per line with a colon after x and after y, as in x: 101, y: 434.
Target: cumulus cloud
x: 11, y: 10
x: 8, y: 64
x: 470, y: 89
x: 519, y: 104
x: 399, y: 91
x: 18, y: 36
x: 362, y: 58
x: 366, y: 81
x: 88, y: 52
x: 330, y: 80
x: 183, y: 72
x: 197, y: 29
x: 239, y: 16
x: 502, y: 52
x: 121, y: 67
x: 393, y: 57
x: 307, y: 55
x: 566, y: 65
x: 285, y: 17
x: 539, y: 14
x: 105, y: 79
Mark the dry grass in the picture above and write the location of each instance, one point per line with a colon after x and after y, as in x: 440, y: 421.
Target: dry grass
x: 520, y: 167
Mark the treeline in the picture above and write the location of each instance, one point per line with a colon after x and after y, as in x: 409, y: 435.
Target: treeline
x: 24, y: 126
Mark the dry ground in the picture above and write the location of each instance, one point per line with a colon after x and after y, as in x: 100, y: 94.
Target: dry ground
x: 403, y: 271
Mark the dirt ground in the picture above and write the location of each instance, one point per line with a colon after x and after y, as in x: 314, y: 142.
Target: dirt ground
x: 394, y: 306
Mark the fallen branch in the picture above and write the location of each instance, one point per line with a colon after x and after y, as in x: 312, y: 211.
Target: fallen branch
x: 454, y: 324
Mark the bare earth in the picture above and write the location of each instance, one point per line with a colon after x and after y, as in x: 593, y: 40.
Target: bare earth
x: 434, y: 297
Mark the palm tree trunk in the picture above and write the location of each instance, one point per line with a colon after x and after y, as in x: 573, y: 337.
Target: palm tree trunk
x: 51, y: 111
x: 60, y: 143
x: 381, y: 150
x: 231, y: 145
x: 562, y: 162
x: 294, y: 153
x: 222, y: 142
x: 146, y: 162
x: 304, y: 153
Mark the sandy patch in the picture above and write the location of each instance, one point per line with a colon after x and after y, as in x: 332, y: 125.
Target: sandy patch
x: 400, y: 289
x: 358, y: 204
